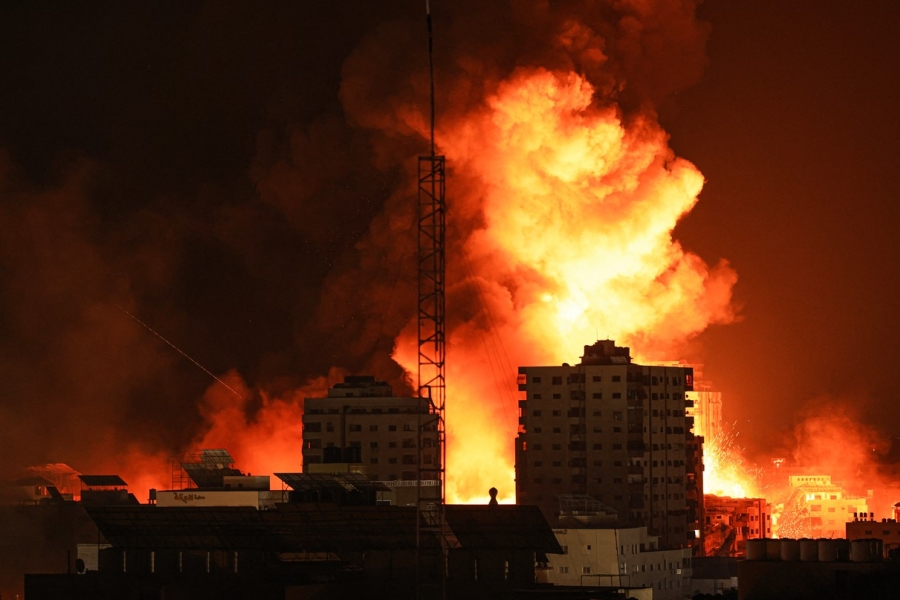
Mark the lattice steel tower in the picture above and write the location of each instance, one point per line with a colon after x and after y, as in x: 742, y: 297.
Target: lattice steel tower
x: 431, y: 216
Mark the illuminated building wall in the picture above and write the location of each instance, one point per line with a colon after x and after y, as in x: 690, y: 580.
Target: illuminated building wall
x: 629, y: 559
x: 823, y: 507
x: 862, y: 527
x: 609, y: 429
x: 360, y: 422
x: 730, y: 522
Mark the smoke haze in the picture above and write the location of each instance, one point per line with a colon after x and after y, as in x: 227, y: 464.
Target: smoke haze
x: 240, y: 178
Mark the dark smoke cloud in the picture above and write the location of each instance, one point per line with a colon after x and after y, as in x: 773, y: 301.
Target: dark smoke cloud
x: 237, y: 177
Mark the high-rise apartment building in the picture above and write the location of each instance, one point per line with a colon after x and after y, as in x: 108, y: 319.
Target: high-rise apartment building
x: 613, y: 430
x: 707, y: 407
x: 362, y: 422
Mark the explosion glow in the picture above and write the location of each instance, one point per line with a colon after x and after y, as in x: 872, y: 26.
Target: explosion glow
x: 577, y: 204
x: 725, y: 474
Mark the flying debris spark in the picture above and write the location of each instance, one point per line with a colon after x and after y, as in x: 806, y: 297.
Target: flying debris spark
x: 181, y: 352
x: 725, y: 473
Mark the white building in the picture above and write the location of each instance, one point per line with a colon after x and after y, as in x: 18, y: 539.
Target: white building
x: 628, y: 559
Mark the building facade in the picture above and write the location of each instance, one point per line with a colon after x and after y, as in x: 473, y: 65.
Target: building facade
x: 627, y: 559
x: 730, y: 522
x: 819, y: 508
x: 361, y: 422
x: 609, y: 429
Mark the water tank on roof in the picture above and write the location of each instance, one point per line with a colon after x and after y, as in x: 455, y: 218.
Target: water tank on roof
x: 773, y: 549
x: 790, y: 550
x: 828, y: 550
x: 809, y: 550
x: 756, y: 549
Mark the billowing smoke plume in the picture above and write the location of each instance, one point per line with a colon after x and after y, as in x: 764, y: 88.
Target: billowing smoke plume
x: 563, y: 195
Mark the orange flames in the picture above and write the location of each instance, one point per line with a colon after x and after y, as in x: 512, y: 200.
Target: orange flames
x: 577, y: 204
x: 263, y: 439
x: 725, y: 473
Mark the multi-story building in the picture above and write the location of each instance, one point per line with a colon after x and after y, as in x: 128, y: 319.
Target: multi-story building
x: 819, y: 508
x: 362, y: 422
x: 706, y: 407
x: 730, y: 522
x: 864, y: 526
x: 610, y: 429
x: 627, y: 559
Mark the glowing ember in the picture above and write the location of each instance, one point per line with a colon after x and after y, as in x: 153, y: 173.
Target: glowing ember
x: 724, y: 471
x: 577, y: 204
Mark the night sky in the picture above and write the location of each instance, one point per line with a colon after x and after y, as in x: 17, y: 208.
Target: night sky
x: 201, y: 166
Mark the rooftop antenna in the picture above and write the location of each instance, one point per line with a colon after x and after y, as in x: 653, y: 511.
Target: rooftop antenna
x: 431, y: 380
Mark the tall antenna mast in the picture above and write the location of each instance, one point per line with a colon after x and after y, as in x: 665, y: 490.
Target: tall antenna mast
x: 431, y: 216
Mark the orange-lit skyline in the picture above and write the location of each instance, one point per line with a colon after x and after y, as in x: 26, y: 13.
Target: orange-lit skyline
x: 237, y: 178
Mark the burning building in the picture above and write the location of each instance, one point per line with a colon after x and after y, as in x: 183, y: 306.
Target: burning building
x: 817, y: 508
x: 610, y: 429
x: 706, y: 408
x: 730, y: 522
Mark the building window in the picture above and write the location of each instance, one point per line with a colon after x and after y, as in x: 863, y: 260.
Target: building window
x: 598, y: 446
x: 557, y: 430
x: 557, y: 413
x: 538, y: 446
x: 617, y: 446
x: 355, y: 428
x: 535, y: 413
x: 409, y: 459
x: 538, y: 463
x: 557, y: 463
x: 596, y: 378
x: 535, y: 380
x: 564, y: 569
x: 374, y: 460
x: 373, y: 427
x: 598, y: 430
x: 557, y: 447
x: 392, y: 444
x: 616, y: 395
x: 557, y: 396
x: 537, y: 430
x: 373, y: 445
x: 313, y: 444
x: 597, y: 395
x: 557, y: 380
x: 536, y: 397
x: 598, y: 413
x: 586, y: 570
x: 393, y: 460
x: 392, y: 428
x: 315, y: 427
x: 616, y: 378
x: 407, y: 427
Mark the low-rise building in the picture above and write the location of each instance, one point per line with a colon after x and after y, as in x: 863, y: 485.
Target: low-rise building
x: 628, y: 559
